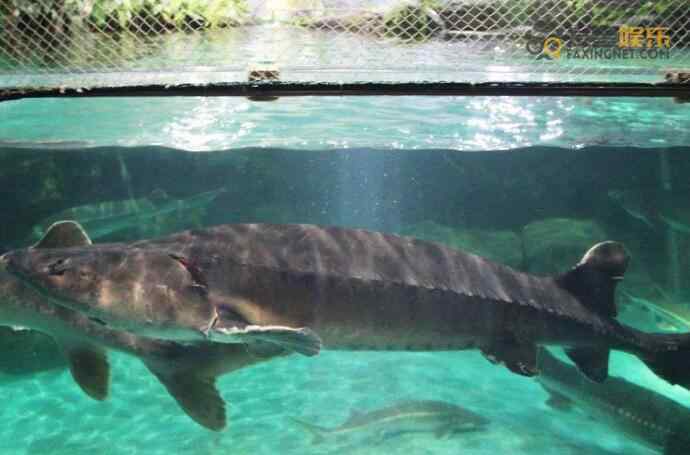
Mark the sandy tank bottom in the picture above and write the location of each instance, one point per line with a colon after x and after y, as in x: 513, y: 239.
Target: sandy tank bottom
x: 47, y: 413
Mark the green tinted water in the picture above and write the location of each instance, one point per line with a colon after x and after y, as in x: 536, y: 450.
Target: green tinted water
x: 481, y: 123
x: 391, y: 164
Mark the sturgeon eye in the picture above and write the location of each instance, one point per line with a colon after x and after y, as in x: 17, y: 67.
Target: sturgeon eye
x: 58, y: 267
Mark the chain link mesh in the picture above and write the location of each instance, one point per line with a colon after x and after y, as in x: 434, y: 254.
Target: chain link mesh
x: 127, y: 42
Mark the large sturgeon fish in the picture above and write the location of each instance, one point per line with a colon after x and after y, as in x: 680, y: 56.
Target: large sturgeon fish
x: 187, y: 371
x: 357, y: 290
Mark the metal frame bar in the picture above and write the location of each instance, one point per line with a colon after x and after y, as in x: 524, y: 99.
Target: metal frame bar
x: 260, y: 91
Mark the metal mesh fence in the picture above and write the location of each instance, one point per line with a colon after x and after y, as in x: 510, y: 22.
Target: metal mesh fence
x: 76, y: 43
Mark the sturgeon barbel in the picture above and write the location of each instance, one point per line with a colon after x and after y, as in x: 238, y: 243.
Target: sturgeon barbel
x: 354, y: 289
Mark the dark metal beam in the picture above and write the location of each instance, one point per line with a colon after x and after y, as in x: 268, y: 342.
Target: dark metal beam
x: 284, y: 89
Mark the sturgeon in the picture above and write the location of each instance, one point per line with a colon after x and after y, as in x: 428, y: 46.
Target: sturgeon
x: 188, y: 372
x: 409, y: 416
x: 110, y: 217
x: 656, y: 208
x: 355, y: 289
x: 641, y: 414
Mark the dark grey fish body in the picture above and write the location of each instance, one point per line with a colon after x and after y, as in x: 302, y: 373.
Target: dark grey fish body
x: 367, y: 290
x: 639, y: 413
x: 437, y: 417
x: 358, y: 290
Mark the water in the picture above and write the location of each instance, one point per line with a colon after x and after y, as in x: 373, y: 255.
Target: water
x: 457, y: 123
x: 522, y: 181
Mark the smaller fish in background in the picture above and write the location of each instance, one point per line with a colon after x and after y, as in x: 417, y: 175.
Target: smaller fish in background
x: 677, y: 218
x: 668, y: 314
x: 436, y: 417
x: 656, y: 208
x: 106, y: 218
x: 633, y: 204
x: 639, y: 413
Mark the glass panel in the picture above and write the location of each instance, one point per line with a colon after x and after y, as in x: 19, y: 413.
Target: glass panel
x: 529, y: 183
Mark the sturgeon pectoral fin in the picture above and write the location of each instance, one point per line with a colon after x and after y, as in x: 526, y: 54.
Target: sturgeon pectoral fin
x: 520, y: 358
x: 301, y: 340
x: 444, y: 431
x: 90, y: 369
x: 197, y: 395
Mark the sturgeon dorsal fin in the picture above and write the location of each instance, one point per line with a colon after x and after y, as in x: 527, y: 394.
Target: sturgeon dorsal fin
x: 89, y: 367
x: 593, y: 280
x: 196, y: 394
x: 592, y: 362
x: 355, y: 414
x: 64, y: 234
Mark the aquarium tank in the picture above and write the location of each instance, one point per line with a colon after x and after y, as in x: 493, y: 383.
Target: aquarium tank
x: 345, y: 226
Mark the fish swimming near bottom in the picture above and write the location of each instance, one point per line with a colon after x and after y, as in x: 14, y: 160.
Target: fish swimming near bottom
x: 437, y: 417
x: 639, y: 413
x: 303, y: 286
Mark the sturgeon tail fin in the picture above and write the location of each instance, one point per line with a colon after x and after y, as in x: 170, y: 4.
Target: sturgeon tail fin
x: 317, y: 433
x: 593, y: 282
